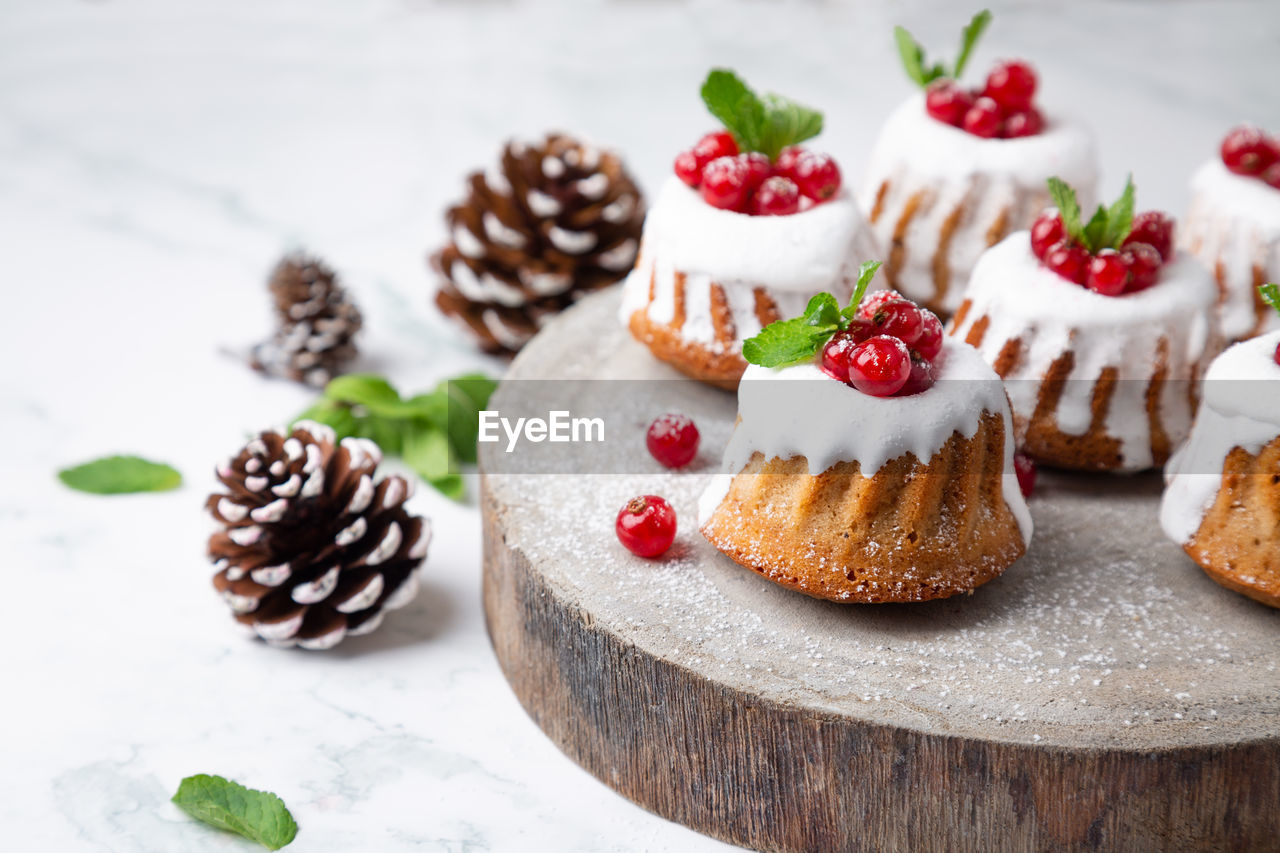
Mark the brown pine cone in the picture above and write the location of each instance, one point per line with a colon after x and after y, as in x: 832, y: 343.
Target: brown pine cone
x: 556, y: 220
x: 318, y: 324
x: 312, y: 549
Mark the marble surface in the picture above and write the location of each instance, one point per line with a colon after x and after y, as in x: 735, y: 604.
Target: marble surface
x: 156, y: 157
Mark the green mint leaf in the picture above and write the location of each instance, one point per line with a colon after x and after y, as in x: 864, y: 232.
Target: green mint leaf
x: 1119, y: 218
x: 969, y: 39
x: 738, y: 108
x: 1095, y: 230
x: 476, y: 386
x: 823, y: 310
x: 786, y: 123
x: 786, y: 342
x: 866, y: 272
x: 333, y: 414
x: 120, y: 475
x: 363, y: 389
x: 256, y: 815
x: 912, y: 57
x: 1064, y: 198
x: 429, y: 453
x: 1270, y: 294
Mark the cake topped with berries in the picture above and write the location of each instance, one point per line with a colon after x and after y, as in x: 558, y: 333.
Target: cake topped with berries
x: 1099, y: 331
x: 956, y: 169
x: 1233, y: 226
x: 750, y: 225
x: 872, y: 460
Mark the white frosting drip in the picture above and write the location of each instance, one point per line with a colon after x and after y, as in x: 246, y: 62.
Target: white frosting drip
x: 1241, y: 408
x: 918, y: 154
x: 800, y: 411
x: 1051, y: 316
x: 1235, y: 221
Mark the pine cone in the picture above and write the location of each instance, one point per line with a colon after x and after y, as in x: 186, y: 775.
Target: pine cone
x: 555, y: 221
x: 313, y: 549
x: 317, y: 324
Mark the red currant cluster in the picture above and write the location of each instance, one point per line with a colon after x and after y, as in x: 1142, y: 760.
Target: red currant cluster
x: 1132, y: 268
x: 888, y: 349
x: 1002, y: 109
x: 747, y: 182
x: 1250, y: 152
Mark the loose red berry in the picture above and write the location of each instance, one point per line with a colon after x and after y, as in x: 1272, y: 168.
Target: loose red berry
x: 817, y: 175
x: 899, y: 319
x: 786, y: 161
x: 646, y: 526
x: 1012, y: 85
x: 1247, y: 151
x: 947, y: 102
x: 672, y: 440
x: 921, y: 377
x: 1025, y: 468
x: 688, y: 169
x: 1069, y: 261
x: 1109, y: 273
x: 872, y: 302
x: 718, y: 143
x: 880, y: 366
x: 1271, y: 175
x: 724, y: 183
x: 1144, y: 264
x: 1154, y: 229
x: 929, y: 344
x: 1045, y: 231
x: 758, y: 169
x: 777, y: 196
x: 1027, y: 122
x: 983, y: 118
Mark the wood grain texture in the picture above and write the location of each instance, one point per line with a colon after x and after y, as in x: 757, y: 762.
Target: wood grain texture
x: 1102, y: 695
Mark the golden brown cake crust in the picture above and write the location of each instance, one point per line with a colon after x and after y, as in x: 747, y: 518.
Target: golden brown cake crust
x: 722, y: 369
x: 1238, y: 543
x: 911, y: 532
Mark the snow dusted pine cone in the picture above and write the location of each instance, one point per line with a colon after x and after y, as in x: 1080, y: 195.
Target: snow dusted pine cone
x: 318, y: 324
x: 556, y: 220
x: 313, y: 549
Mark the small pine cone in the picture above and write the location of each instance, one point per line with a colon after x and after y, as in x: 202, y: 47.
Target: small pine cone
x: 318, y: 324
x: 312, y: 549
x: 556, y: 220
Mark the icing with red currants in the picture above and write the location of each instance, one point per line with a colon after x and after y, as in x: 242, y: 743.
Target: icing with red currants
x: 1250, y: 152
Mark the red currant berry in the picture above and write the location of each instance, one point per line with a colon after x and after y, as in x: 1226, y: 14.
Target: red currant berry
x: 777, y: 196
x: 1154, y: 229
x: 1144, y: 264
x: 817, y: 175
x: 724, y: 183
x: 1277, y: 353
x: 718, y: 143
x: 1023, y: 123
x: 1109, y: 273
x: 1012, y: 85
x: 880, y: 366
x: 899, y: 319
x: 786, y: 161
x: 947, y: 102
x: 873, y: 302
x: 1271, y: 175
x: 1045, y: 231
x: 646, y: 526
x: 1025, y: 468
x: 929, y: 343
x: 688, y: 169
x: 1069, y: 261
x: 758, y: 169
x: 837, y: 353
x: 983, y: 118
x: 1247, y: 151
x: 672, y: 440
x: 921, y: 377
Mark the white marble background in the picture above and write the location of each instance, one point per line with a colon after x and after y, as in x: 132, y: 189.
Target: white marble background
x: 156, y: 157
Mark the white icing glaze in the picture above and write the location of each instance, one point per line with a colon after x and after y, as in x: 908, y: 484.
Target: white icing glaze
x: 1240, y: 408
x: 1051, y: 316
x: 800, y: 411
x: 791, y: 257
x: 917, y: 154
x: 1235, y: 221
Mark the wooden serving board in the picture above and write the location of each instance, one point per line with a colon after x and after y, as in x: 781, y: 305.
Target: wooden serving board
x: 1102, y: 694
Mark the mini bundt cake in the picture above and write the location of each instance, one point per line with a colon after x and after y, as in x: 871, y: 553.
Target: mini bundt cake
x: 1222, y: 498
x: 954, y: 171
x: 895, y: 492
x: 743, y: 234
x: 1100, y: 346
x: 1233, y: 226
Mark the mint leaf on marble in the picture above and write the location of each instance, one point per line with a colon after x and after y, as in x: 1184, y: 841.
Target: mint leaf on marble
x: 257, y: 815
x: 766, y: 124
x: 799, y: 339
x: 121, y: 475
x: 1270, y: 294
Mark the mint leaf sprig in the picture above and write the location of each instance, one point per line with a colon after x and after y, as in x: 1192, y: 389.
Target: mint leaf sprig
x: 120, y: 475
x: 257, y: 815
x: 913, y: 56
x: 433, y: 433
x: 799, y: 339
x: 766, y: 124
x: 1106, y: 229
x: 1270, y: 294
